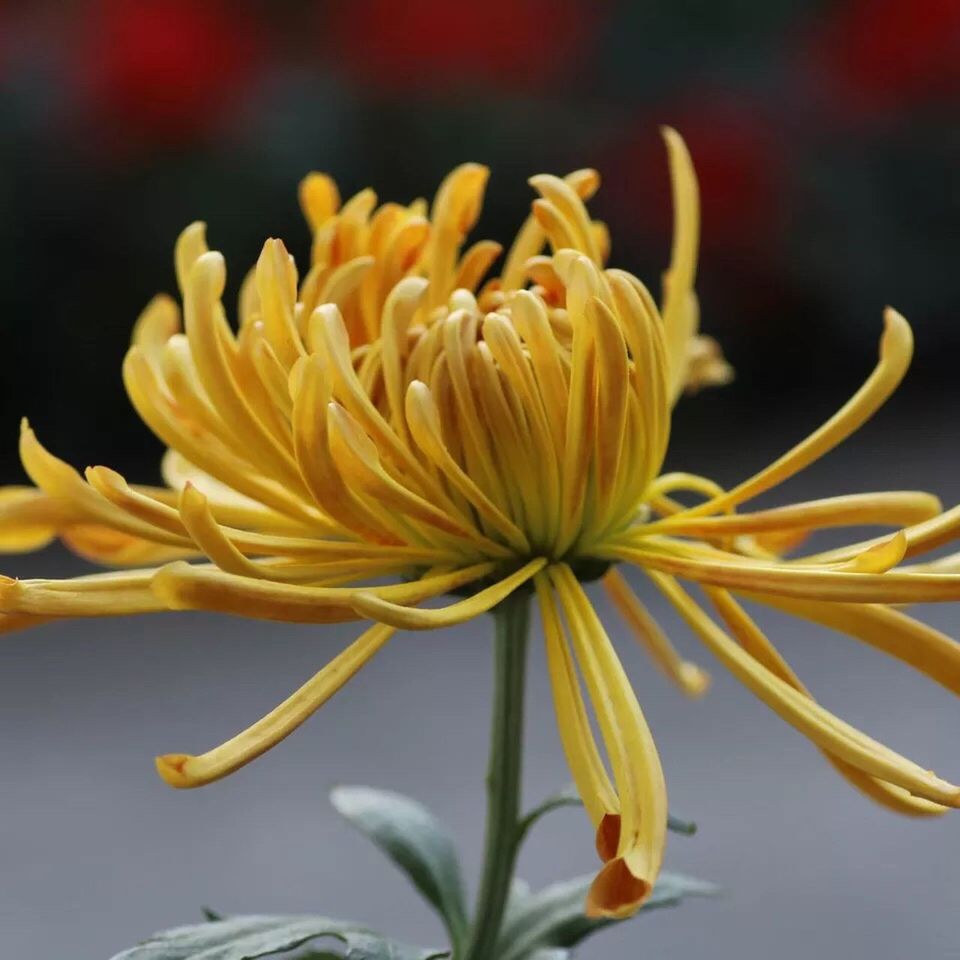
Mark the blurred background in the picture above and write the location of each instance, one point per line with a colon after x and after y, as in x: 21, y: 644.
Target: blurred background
x: 827, y: 142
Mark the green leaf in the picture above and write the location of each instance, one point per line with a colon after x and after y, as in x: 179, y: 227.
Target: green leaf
x: 553, y: 918
x: 568, y: 797
x: 416, y: 841
x: 677, y: 825
x: 248, y: 938
x: 519, y: 894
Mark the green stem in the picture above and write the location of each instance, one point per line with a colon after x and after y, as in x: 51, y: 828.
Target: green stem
x: 503, y: 774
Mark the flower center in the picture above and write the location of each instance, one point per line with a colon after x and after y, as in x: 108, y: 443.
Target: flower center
x: 542, y: 413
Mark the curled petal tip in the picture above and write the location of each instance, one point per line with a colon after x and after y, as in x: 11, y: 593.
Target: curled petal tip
x: 608, y: 836
x: 615, y: 892
x: 105, y: 476
x: 882, y: 556
x: 478, y: 170
x: 897, y: 333
x: 541, y: 210
x: 172, y: 768
x: 166, y: 581
x: 208, y: 275
x: 695, y: 680
x: 9, y: 594
x: 9, y: 589
x: 190, y: 496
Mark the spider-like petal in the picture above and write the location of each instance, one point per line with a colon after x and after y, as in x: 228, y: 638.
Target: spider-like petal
x: 183, y: 770
x: 627, y: 878
x: 182, y: 586
x: 694, y: 681
x: 376, y: 607
x: 822, y: 727
x: 756, y: 643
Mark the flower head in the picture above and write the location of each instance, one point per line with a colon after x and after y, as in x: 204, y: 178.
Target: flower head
x: 393, y: 416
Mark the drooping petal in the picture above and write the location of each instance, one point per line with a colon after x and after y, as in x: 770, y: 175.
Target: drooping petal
x: 799, y: 581
x: 96, y: 595
x: 893, y: 632
x: 755, y: 642
x: 691, y: 679
x: 583, y: 757
x: 182, y: 586
x: 895, y: 509
x: 29, y: 519
x: 368, y: 604
x: 184, y: 771
x: 824, y: 729
x: 628, y: 877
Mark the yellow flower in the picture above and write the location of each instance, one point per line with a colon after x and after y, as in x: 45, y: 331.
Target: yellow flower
x: 391, y: 417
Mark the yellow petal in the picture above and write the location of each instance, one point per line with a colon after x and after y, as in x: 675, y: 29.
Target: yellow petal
x: 824, y: 729
x: 423, y: 420
x: 627, y: 879
x: 755, y: 642
x: 573, y: 724
x: 893, y: 632
x: 794, y: 580
x: 896, y: 350
x: 97, y: 595
x: 414, y: 618
x: 895, y: 509
x: 690, y: 678
x: 680, y: 315
x: 319, y: 199
x: 29, y: 519
x: 183, y: 771
x: 185, y: 587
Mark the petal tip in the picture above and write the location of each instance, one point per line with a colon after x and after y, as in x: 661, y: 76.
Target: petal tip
x: 696, y: 681
x: 172, y: 768
x: 615, y: 892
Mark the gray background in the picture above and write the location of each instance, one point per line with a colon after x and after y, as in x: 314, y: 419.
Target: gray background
x: 98, y: 853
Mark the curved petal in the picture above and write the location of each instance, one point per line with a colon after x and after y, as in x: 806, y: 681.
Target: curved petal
x: 628, y: 877
x: 824, y: 729
x: 691, y: 679
x: 583, y: 757
x: 755, y: 642
x: 186, y: 587
x: 374, y: 607
x: 183, y: 770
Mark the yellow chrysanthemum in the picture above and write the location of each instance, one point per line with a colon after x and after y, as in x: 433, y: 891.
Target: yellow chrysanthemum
x: 389, y: 417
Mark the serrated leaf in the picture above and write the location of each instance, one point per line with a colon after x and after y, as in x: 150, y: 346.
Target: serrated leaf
x: 252, y: 937
x: 553, y: 918
x: 416, y: 841
x: 568, y: 797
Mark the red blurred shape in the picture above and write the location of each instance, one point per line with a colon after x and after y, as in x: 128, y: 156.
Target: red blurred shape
x: 739, y: 169
x: 885, y: 54
x: 160, y: 70
x: 436, y: 45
